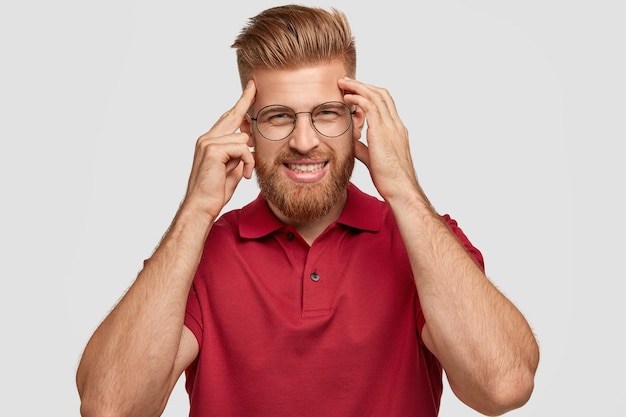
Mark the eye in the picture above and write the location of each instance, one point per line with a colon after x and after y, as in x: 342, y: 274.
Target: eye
x: 279, y: 116
x: 330, y: 111
x: 276, y: 116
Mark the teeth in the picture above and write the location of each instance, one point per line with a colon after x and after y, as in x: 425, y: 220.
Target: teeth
x: 306, y: 167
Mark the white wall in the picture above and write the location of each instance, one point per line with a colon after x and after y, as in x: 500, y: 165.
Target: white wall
x: 516, y: 115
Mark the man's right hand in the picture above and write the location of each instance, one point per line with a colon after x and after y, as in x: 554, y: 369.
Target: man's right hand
x: 221, y: 159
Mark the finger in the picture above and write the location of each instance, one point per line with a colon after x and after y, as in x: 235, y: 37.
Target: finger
x: 210, y: 156
x: 232, y: 153
x: 368, y: 97
x: 361, y: 152
x: 235, y: 144
x: 233, y: 179
x: 231, y: 120
x: 246, y: 159
x: 351, y: 86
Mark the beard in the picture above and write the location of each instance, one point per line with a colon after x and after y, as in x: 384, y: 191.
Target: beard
x: 304, y: 202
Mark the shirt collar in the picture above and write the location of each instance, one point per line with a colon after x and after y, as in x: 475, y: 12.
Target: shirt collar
x: 361, y: 212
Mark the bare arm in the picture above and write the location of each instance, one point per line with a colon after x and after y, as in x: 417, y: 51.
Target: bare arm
x: 133, y: 360
x: 482, y: 341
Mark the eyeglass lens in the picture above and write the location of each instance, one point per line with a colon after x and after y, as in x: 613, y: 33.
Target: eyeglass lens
x: 276, y: 122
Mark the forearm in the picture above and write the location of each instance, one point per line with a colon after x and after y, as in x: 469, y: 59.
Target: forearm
x: 483, y: 342
x: 128, y: 363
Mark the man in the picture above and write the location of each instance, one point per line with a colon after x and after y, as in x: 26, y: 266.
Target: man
x: 315, y: 299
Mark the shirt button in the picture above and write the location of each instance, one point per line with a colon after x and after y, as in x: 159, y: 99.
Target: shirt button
x: 315, y: 277
x: 290, y: 236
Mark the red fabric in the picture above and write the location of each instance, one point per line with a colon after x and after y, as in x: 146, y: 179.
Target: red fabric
x: 275, y: 342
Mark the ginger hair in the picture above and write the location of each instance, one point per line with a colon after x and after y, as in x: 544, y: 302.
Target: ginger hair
x: 294, y: 36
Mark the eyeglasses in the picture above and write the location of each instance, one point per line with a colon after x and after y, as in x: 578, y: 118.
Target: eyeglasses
x: 276, y: 122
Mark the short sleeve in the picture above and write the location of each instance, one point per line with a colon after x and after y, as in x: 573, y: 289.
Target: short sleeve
x: 473, y: 252
x: 193, y: 315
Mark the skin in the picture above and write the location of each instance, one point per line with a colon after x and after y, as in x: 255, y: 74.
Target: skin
x: 302, y: 90
x: 483, y: 342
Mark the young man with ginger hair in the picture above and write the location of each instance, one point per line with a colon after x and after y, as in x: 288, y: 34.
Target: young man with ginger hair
x: 315, y: 299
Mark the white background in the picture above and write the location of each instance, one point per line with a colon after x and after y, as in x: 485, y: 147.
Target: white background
x: 516, y: 112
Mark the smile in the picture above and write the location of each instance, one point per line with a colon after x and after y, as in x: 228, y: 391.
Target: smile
x: 306, y: 167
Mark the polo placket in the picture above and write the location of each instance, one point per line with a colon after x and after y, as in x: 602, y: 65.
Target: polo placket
x: 315, y: 284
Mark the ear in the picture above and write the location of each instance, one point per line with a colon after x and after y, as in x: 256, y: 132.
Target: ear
x: 358, y: 121
x: 246, y: 127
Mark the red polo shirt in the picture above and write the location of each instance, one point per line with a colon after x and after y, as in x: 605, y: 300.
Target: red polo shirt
x: 327, y: 330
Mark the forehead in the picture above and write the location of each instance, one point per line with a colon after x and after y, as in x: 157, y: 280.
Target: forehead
x: 299, y: 88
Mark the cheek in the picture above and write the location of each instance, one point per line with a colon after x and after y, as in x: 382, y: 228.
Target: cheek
x: 346, y: 150
x: 266, y: 151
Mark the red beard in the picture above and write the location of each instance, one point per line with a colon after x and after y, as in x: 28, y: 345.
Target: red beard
x: 304, y: 202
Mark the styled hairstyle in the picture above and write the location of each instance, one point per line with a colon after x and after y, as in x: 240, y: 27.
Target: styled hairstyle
x: 294, y: 36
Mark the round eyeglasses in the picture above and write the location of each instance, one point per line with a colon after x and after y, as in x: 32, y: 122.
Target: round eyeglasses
x: 276, y: 122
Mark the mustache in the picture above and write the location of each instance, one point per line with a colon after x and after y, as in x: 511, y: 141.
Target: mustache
x: 291, y: 155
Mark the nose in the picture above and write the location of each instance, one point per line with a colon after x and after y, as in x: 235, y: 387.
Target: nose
x: 304, y: 137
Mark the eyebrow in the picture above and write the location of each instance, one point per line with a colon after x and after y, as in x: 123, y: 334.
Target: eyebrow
x: 297, y: 111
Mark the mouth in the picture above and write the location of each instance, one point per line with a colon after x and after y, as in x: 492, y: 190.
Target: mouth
x: 306, y: 171
x: 309, y: 167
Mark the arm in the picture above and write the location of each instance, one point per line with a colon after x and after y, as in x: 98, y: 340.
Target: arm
x: 483, y: 342
x: 133, y: 360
